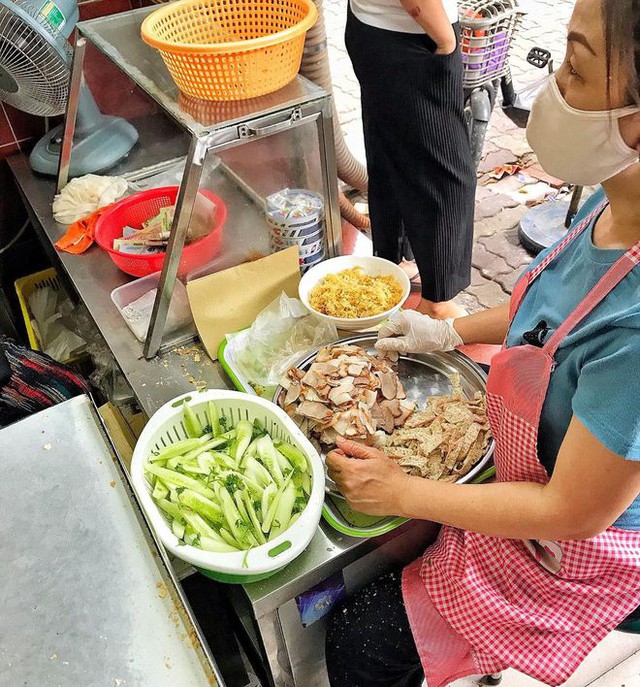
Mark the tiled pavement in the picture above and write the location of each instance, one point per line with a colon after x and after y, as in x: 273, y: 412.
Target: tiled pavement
x: 498, y: 257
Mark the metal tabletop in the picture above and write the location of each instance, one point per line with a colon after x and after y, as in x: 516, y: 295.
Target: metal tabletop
x: 154, y: 382
x: 87, y: 597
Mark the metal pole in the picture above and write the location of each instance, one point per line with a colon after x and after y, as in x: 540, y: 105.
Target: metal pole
x: 330, y: 179
x: 69, y: 129
x: 182, y: 217
x: 573, y: 205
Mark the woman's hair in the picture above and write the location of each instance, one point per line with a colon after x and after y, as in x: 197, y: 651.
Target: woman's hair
x: 622, y: 38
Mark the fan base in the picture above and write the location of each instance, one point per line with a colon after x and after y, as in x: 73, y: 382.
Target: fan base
x: 94, y: 151
x: 542, y: 226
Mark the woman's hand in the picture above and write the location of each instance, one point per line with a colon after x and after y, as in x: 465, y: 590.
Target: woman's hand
x: 432, y: 17
x: 371, y: 482
x: 411, y: 332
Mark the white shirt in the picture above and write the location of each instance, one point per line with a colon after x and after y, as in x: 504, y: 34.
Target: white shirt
x: 390, y: 15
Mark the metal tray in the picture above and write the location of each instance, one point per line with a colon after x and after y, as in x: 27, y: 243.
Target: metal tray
x: 422, y: 375
x: 88, y: 594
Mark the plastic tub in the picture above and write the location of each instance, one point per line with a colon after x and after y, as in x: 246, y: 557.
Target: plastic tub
x: 179, y: 317
x: 297, y: 231
x: 305, y: 248
x: 298, y: 241
x: 165, y: 427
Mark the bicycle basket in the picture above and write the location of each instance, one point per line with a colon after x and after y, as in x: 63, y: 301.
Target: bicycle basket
x: 487, y: 30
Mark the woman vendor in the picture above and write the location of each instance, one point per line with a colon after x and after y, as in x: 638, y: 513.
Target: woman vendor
x: 532, y: 571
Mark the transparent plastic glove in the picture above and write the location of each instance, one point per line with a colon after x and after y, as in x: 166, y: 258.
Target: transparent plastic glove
x: 411, y: 332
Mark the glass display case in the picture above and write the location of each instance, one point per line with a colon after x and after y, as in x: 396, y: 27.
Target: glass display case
x: 225, y: 161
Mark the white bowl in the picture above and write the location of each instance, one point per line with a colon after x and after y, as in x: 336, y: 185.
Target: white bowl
x: 375, y: 267
x: 165, y: 427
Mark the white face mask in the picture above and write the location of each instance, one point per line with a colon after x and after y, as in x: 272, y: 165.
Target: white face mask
x: 579, y: 147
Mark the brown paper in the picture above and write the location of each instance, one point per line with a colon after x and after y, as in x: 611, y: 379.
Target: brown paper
x: 230, y: 300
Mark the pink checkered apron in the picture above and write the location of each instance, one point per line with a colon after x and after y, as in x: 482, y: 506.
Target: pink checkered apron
x: 479, y: 604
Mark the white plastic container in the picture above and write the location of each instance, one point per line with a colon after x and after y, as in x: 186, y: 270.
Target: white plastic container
x: 370, y: 265
x: 179, y: 318
x: 165, y: 427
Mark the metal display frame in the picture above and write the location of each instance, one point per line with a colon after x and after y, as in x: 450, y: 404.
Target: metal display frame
x: 238, y: 128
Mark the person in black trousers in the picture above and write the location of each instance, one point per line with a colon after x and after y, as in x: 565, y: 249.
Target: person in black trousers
x: 421, y: 173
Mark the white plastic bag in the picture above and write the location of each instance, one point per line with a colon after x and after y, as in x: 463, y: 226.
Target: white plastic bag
x: 52, y: 315
x: 281, y: 334
x: 84, y: 195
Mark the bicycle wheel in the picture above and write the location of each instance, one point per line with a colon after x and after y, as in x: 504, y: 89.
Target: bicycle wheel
x: 477, y: 112
x: 477, y: 136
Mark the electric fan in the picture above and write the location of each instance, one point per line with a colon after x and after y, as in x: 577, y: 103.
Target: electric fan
x: 35, y: 59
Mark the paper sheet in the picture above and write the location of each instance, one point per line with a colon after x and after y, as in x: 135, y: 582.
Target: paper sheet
x: 230, y: 300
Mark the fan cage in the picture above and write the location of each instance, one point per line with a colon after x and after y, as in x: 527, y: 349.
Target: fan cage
x: 36, y: 55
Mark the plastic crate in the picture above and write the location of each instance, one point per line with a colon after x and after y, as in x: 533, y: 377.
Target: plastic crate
x: 25, y: 286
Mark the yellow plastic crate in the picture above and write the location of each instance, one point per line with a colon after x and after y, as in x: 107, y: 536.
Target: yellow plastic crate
x: 25, y: 286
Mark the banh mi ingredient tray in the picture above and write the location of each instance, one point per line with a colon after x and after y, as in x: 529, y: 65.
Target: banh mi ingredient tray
x: 422, y: 375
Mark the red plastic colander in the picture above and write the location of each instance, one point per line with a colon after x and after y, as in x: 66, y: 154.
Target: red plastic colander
x: 138, y: 208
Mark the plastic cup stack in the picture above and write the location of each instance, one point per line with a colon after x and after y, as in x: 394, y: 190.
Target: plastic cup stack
x: 296, y: 218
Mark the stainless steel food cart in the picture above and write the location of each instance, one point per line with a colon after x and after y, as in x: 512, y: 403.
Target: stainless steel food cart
x: 284, y: 138
x: 290, y: 654
x: 172, y: 133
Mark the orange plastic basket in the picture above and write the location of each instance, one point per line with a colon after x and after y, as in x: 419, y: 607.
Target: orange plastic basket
x: 230, y: 49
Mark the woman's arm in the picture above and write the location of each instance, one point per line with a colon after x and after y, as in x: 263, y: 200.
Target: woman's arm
x: 486, y: 327
x: 431, y: 16
x: 589, y: 489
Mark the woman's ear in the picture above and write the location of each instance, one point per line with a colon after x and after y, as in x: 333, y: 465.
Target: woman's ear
x: 630, y: 131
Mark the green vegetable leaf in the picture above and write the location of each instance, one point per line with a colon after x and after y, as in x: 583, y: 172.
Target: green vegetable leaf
x: 258, y: 429
x: 233, y: 483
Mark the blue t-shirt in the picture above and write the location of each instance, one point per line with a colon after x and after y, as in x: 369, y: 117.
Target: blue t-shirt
x: 597, y: 377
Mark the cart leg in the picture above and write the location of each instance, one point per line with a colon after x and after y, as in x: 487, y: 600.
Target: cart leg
x: 184, y: 208
x: 71, y: 115
x: 330, y: 180
x: 278, y: 664
x: 573, y: 205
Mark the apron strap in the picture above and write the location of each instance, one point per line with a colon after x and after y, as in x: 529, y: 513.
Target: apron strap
x: 574, y: 233
x: 523, y: 284
x: 614, y: 275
